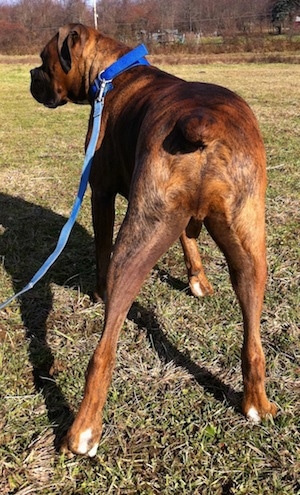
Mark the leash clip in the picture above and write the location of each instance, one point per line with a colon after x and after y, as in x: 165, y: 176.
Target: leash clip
x: 106, y: 85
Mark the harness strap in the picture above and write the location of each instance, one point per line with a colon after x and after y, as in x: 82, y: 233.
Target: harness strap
x: 98, y: 90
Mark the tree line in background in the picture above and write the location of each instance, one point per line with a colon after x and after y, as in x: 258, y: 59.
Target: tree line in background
x: 25, y: 25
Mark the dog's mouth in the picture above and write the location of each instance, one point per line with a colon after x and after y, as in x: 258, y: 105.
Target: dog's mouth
x: 54, y: 104
x: 41, y: 90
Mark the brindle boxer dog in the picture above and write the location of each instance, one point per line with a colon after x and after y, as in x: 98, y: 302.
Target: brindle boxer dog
x: 183, y: 154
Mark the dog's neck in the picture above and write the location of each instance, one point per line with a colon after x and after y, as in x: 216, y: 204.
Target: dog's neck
x: 104, y: 81
x: 105, y: 52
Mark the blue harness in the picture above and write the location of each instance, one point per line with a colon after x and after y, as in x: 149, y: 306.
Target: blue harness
x: 98, y: 90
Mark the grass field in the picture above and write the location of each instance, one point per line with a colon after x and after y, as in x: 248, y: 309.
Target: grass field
x: 172, y: 420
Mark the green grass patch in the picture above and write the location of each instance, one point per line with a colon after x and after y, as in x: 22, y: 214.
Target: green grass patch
x: 172, y: 419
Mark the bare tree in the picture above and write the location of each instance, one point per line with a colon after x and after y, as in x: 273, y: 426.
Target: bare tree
x: 36, y: 20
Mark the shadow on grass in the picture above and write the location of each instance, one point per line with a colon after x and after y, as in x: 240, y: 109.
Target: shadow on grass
x: 168, y: 352
x: 29, y: 235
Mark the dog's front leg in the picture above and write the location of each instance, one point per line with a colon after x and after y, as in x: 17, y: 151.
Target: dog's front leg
x: 103, y: 212
x: 138, y: 247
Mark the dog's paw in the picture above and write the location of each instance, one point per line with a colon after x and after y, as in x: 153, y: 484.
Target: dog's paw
x: 200, y: 286
x: 82, y: 442
x: 256, y: 414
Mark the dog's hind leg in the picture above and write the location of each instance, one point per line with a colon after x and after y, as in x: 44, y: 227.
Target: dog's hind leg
x: 198, y: 282
x: 103, y: 212
x: 243, y: 243
x: 139, y: 245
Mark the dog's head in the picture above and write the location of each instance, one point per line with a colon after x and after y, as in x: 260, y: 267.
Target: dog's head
x: 63, y: 75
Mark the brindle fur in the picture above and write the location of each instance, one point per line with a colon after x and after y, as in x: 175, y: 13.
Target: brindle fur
x: 183, y: 154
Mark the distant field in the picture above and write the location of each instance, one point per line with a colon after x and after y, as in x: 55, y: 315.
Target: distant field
x: 172, y: 419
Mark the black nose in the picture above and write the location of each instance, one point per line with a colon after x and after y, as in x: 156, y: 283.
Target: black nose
x: 35, y: 73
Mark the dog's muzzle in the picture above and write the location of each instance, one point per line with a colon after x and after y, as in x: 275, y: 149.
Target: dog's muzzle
x: 41, y: 89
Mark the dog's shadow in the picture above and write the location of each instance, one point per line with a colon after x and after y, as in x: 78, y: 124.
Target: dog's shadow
x: 28, y: 235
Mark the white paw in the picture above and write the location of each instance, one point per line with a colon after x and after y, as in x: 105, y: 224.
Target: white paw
x: 253, y: 415
x: 83, y: 446
x: 196, y: 289
x: 93, y: 451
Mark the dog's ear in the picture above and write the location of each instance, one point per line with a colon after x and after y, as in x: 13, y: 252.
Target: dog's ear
x: 71, y: 39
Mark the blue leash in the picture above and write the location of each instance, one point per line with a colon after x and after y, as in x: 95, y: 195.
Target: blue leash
x: 98, y: 90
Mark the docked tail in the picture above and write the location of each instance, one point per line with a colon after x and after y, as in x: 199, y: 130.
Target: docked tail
x: 198, y: 128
